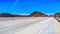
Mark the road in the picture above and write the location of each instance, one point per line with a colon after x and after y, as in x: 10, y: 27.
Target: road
x: 28, y: 25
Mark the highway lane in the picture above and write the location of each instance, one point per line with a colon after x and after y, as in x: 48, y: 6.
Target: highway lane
x: 10, y: 21
x: 49, y: 28
x: 43, y: 27
x: 11, y: 26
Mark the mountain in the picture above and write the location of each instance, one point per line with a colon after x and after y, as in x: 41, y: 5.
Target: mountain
x: 8, y: 15
x: 38, y: 14
x: 57, y: 15
x: 34, y: 14
x: 12, y: 15
x: 16, y: 15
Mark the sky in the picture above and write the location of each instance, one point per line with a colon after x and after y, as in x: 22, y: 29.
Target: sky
x: 28, y: 6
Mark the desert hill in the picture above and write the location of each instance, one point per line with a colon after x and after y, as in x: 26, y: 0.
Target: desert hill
x: 57, y: 15
x: 38, y: 14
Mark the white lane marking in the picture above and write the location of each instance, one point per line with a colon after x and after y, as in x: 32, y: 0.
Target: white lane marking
x: 48, y: 28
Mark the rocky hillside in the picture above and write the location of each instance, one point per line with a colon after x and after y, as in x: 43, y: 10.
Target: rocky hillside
x: 38, y: 14
x: 57, y: 15
x: 12, y: 15
x: 34, y: 14
x: 8, y: 15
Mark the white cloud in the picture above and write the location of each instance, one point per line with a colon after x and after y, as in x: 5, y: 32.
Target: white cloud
x: 14, y: 4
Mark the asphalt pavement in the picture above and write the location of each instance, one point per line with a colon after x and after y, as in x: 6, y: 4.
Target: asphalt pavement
x: 29, y: 25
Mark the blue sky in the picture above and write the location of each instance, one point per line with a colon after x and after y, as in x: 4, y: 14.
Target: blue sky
x: 29, y: 6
